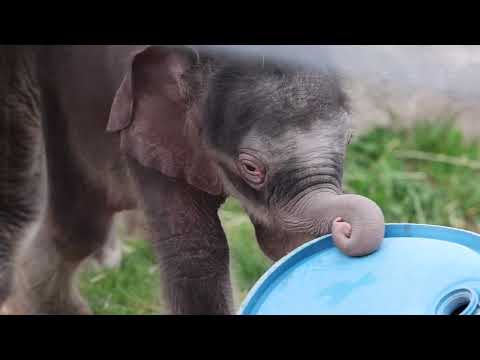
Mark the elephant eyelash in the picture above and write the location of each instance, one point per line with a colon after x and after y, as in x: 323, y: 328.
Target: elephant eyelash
x: 252, y: 170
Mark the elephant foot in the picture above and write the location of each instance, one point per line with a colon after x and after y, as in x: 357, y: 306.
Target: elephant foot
x: 110, y: 255
x: 110, y: 258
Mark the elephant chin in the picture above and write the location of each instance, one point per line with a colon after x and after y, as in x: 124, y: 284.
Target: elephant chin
x: 356, y: 223
x: 276, y: 243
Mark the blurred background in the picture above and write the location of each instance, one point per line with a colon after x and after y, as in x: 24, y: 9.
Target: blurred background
x: 416, y: 153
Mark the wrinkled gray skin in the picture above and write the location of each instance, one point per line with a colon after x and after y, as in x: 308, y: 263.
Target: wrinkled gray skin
x: 173, y: 133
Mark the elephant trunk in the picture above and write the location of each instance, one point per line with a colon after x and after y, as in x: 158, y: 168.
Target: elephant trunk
x: 357, y: 223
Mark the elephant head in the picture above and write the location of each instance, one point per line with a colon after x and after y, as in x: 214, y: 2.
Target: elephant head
x: 271, y: 135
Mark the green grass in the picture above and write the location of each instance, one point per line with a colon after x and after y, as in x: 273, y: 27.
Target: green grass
x: 132, y: 289
x: 429, y: 174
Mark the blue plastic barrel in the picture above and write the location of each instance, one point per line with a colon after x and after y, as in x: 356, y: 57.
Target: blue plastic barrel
x: 418, y: 270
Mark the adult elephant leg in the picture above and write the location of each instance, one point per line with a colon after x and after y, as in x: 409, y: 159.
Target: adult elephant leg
x: 20, y: 165
x: 191, y: 246
x: 75, y: 224
x: 110, y: 254
x: 46, y: 265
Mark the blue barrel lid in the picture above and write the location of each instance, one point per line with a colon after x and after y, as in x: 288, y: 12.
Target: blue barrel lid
x: 418, y: 270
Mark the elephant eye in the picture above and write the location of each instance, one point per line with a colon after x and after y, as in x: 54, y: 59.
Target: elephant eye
x: 251, y: 169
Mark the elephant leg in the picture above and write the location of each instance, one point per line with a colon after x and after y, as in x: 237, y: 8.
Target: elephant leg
x: 190, y: 244
x: 44, y: 278
x: 110, y: 254
x: 75, y: 224
x: 20, y: 161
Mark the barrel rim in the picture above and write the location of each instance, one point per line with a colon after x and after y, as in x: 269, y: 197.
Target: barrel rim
x: 391, y: 230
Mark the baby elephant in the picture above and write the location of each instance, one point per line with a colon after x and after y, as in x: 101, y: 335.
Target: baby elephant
x: 172, y: 132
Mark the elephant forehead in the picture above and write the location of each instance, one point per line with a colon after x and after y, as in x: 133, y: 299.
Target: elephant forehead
x: 270, y: 104
x: 323, y: 136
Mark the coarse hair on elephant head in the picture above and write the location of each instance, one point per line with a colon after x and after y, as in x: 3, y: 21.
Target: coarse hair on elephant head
x: 272, y: 135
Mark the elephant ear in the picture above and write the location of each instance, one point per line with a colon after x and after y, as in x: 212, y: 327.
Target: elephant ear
x: 158, y: 117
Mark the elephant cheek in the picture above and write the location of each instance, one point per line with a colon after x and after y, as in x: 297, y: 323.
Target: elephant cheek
x: 276, y: 243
